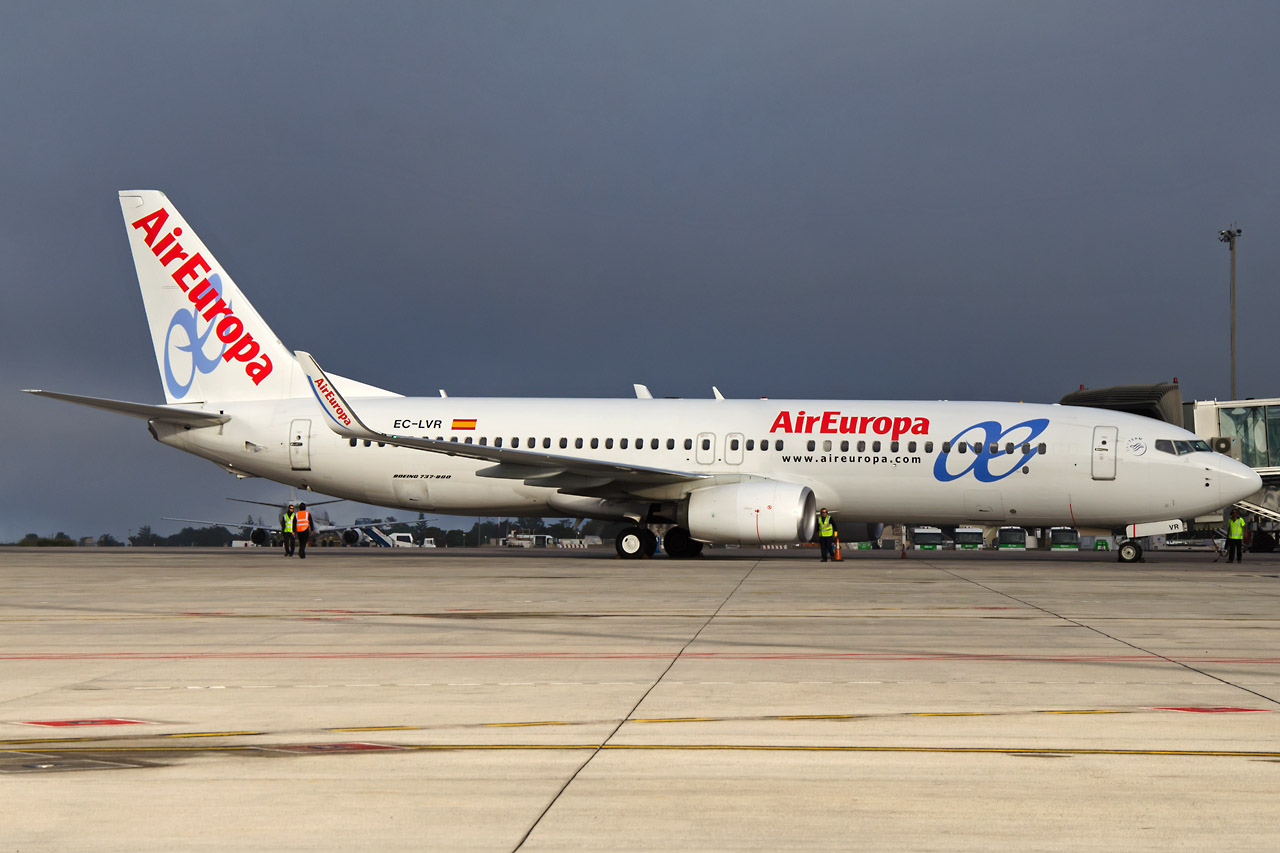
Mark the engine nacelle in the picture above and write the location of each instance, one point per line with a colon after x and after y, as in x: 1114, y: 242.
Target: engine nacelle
x: 258, y: 536
x: 757, y: 512
x: 350, y: 537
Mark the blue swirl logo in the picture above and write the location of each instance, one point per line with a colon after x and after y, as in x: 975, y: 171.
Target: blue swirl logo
x: 980, y: 438
x: 188, y: 339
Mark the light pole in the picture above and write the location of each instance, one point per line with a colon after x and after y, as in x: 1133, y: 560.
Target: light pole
x: 1229, y: 236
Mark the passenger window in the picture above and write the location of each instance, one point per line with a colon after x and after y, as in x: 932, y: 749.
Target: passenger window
x: 893, y: 447
x: 928, y: 447
x: 862, y: 447
x: 653, y: 444
x: 622, y: 444
x: 370, y: 443
x: 608, y: 444
x: 1026, y: 448
x: 875, y: 447
x: 733, y: 445
x: 911, y: 447
x: 454, y: 439
x: 515, y: 442
x: 497, y: 442
x: 546, y: 443
x: 995, y: 448
x: 671, y: 444
x: 353, y: 442
x: 706, y: 444
x: 688, y: 444
x: 382, y: 444
x: 811, y: 444
x: 639, y: 444
x: 468, y: 441
x: 826, y: 445
x: 484, y: 441
x: 1008, y: 448
x: 577, y: 442
x: 1041, y: 448
x: 844, y: 447
x: 564, y: 442
x: 751, y: 444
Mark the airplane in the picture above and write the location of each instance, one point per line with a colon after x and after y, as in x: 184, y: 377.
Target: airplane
x: 725, y: 471
x: 261, y: 533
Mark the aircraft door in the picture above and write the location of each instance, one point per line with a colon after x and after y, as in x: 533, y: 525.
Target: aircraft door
x: 733, y: 448
x: 300, y: 445
x: 706, y: 448
x: 1104, y: 452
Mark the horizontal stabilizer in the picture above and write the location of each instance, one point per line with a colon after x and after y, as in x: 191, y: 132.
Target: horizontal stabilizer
x: 167, y: 414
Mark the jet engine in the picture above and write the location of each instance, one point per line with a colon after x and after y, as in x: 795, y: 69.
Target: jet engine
x: 757, y: 512
x: 258, y: 536
x: 350, y: 537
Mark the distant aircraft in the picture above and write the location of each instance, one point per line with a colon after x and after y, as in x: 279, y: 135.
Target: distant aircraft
x: 262, y: 533
x: 720, y: 471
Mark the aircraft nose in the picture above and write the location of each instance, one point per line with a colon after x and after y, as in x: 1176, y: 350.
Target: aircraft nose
x: 1238, y: 481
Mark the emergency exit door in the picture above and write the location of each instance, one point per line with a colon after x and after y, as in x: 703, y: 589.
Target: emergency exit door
x: 1104, y: 452
x: 299, y: 445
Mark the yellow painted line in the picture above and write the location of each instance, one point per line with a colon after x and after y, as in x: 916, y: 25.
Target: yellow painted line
x: 952, y: 714
x: 955, y: 750
x: 521, y: 725
x: 681, y: 720
x: 375, y: 729
x: 212, y: 734
x: 819, y: 717
x: 1097, y: 711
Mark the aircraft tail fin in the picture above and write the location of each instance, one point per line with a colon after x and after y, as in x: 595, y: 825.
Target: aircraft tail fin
x: 210, y: 343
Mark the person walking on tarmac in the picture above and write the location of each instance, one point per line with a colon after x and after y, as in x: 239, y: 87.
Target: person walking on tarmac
x: 1235, y: 538
x: 286, y: 526
x: 826, y: 534
x: 302, y: 526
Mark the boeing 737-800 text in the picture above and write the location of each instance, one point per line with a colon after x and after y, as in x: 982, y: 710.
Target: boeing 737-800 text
x: 720, y: 471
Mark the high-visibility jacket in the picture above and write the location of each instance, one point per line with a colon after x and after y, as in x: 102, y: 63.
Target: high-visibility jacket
x: 288, y: 522
x: 302, y: 521
x: 825, y: 528
x: 1236, y: 528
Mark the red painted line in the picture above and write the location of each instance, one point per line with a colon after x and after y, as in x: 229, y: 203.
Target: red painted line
x: 1217, y: 710
x: 849, y: 656
x: 68, y: 723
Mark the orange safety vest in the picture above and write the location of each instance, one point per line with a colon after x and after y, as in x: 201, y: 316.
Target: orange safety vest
x: 302, y: 521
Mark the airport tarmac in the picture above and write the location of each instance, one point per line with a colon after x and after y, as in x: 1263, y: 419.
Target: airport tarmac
x: 184, y: 699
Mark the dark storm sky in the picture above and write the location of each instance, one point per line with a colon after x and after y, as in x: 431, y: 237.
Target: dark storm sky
x: 886, y: 200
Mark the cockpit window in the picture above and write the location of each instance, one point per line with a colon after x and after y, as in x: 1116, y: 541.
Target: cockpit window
x: 1182, y: 446
x: 1200, y: 445
x: 1165, y: 445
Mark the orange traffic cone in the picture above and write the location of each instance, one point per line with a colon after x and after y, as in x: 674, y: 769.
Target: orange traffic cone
x: 838, y: 557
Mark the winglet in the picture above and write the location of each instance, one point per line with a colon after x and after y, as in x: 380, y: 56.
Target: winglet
x: 642, y: 391
x: 341, y: 418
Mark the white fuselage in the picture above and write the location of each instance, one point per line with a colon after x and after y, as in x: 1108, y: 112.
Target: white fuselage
x: 867, y: 460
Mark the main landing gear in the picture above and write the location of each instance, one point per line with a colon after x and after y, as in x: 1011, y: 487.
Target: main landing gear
x: 636, y: 542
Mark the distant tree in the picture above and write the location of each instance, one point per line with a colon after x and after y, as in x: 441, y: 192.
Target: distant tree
x: 145, y: 538
x: 29, y: 540
x: 202, y: 537
x: 106, y: 540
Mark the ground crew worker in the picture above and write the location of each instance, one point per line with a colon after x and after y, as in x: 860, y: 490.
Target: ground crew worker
x: 287, y: 529
x: 1235, y: 538
x: 302, y: 527
x: 826, y: 535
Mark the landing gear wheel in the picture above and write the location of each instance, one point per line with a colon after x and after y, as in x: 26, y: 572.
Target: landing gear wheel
x: 630, y: 543
x: 1129, y: 552
x: 650, y: 540
x: 679, y: 545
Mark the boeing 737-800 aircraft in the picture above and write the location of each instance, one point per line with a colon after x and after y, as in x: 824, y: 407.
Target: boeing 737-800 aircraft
x: 722, y: 471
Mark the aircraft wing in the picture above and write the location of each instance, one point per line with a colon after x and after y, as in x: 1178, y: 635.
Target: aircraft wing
x: 273, y: 528
x: 168, y: 414
x: 540, y: 469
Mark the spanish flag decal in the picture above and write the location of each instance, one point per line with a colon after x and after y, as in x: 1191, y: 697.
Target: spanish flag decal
x: 464, y: 423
